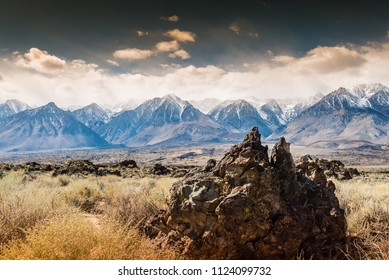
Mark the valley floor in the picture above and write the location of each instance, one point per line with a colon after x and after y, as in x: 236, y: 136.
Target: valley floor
x: 195, y: 155
x: 89, y: 217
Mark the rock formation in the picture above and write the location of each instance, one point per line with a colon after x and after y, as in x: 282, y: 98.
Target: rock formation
x: 248, y: 206
x: 331, y: 168
x: 159, y: 169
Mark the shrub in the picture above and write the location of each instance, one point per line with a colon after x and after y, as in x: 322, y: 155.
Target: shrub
x: 73, y: 238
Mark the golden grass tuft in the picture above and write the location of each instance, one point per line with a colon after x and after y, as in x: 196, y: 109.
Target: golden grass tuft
x: 72, y: 237
x: 366, y: 205
x: 25, y: 203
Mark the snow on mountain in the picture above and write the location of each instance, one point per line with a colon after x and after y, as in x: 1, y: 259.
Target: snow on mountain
x: 46, y: 128
x: 123, y: 106
x: 338, y: 117
x: 273, y: 114
x: 367, y: 90
x: 160, y: 120
x: 92, y: 116
x: 380, y: 102
x: 295, y: 110
x: 11, y: 107
x: 205, y: 105
x: 240, y: 115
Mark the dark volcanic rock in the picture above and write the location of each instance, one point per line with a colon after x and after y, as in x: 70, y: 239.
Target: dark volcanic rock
x: 128, y: 163
x: 331, y: 168
x: 159, y: 169
x: 249, y: 207
x: 77, y: 167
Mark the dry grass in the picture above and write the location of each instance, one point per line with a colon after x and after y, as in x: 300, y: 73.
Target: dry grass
x: 366, y: 204
x: 73, y: 238
x: 42, y: 217
x: 25, y: 202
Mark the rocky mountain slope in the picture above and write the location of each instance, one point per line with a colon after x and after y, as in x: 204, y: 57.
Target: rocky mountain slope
x: 340, y: 118
x: 345, y: 118
x: 46, y: 128
x: 239, y: 116
x: 93, y: 116
x: 167, y: 120
x: 11, y: 107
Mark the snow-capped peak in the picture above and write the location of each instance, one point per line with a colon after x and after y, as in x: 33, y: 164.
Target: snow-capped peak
x: 16, y: 105
x: 367, y: 90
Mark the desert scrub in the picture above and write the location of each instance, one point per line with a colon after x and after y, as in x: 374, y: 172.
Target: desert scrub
x: 366, y: 205
x: 133, y: 202
x: 72, y: 237
x: 24, y: 203
x: 83, y: 193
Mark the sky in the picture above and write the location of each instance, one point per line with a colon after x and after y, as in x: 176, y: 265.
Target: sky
x: 79, y: 52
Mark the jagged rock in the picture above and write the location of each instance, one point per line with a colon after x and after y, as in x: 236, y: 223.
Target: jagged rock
x: 77, y: 167
x: 331, y: 168
x: 159, y: 169
x: 249, y: 207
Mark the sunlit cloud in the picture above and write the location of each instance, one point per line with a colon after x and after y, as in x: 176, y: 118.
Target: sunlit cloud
x: 40, y: 61
x: 277, y: 75
x: 112, y: 62
x: 282, y: 58
x: 131, y: 54
x: 167, y: 46
x: 324, y: 60
x: 172, y: 18
x: 181, y: 36
x: 181, y: 54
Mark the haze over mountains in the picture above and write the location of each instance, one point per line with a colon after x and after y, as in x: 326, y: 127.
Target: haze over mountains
x: 344, y: 118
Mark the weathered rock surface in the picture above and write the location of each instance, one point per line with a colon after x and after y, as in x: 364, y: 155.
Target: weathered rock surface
x: 248, y: 206
x: 159, y: 169
x: 331, y: 168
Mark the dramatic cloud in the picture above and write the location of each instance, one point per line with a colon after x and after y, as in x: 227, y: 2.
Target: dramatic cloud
x: 113, y: 62
x: 172, y: 18
x: 322, y: 69
x: 324, y: 60
x: 167, y: 46
x: 181, y: 36
x: 132, y: 54
x: 142, y: 33
x: 387, y: 34
x: 40, y: 61
x: 181, y: 54
x: 1, y: 78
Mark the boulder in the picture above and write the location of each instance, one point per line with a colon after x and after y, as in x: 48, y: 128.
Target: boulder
x: 248, y: 206
x: 159, y: 169
x: 331, y: 168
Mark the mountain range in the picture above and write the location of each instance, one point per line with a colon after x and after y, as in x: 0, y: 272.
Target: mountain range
x: 344, y: 118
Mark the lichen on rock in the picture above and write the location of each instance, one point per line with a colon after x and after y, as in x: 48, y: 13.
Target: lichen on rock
x: 248, y: 206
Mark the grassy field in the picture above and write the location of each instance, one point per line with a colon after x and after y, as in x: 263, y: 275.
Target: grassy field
x: 44, y: 217
x: 365, y: 200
